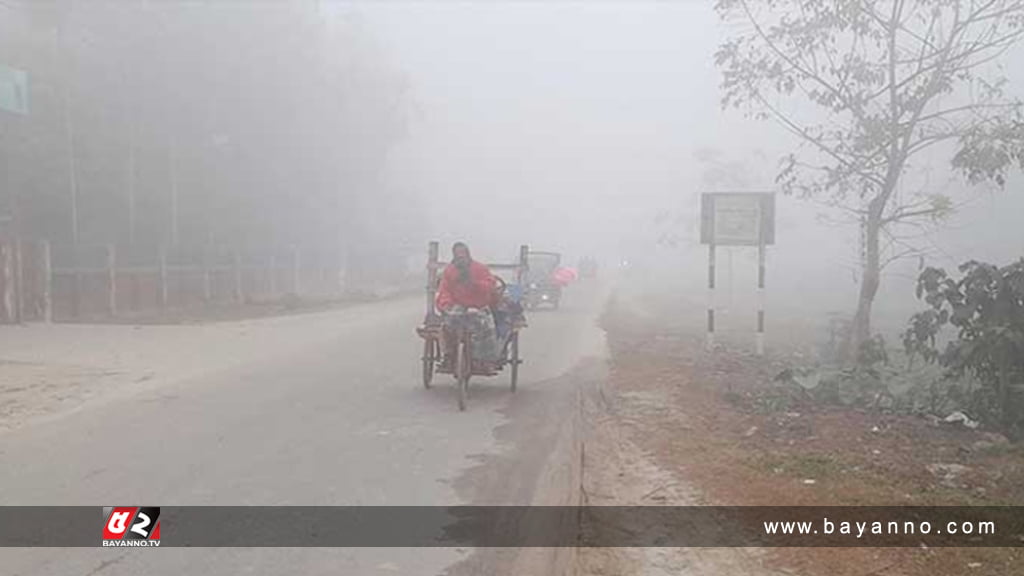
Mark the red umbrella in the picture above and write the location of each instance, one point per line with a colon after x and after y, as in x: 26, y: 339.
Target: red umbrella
x: 564, y: 276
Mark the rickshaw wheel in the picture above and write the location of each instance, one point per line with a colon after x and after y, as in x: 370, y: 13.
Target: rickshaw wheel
x: 429, y: 358
x: 514, y: 356
x: 463, y: 367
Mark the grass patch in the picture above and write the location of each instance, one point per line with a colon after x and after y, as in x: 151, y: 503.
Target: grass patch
x: 813, y: 466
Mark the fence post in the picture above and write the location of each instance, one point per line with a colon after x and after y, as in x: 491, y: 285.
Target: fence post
x: 111, y: 280
x: 46, y: 281
x: 6, y: 283
x: 19, y: 282
x: 295, y: 271
x: 163, y: 277
x: 134, y: 277
x: 207, y: 285
x: 237, y: 262
x: 76, y: 284
x: 272, y: 277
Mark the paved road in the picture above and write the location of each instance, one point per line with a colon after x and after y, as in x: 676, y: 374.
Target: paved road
x: 343, y: 422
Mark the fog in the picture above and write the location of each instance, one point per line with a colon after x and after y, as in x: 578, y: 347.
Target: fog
x: 369, y: 128
x: 593, y: 128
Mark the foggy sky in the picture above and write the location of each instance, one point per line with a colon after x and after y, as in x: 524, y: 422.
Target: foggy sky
x: 571, y: 125
x: 571, y: 120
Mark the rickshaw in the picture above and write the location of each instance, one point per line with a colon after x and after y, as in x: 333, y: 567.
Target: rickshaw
x: 465, y: 327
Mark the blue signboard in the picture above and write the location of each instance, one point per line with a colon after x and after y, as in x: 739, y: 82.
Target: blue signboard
x: 13, y: 90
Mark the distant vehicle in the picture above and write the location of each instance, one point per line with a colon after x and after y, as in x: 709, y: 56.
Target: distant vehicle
x: 542, y: 287
x: 588, y: 268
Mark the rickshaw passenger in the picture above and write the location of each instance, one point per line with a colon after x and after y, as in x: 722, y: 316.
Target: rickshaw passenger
x: 506, y: 311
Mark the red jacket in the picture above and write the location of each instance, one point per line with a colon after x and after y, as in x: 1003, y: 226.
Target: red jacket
x: 477, y: 293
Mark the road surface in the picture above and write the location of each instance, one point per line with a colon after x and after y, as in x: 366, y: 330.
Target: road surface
x: 337, y: 417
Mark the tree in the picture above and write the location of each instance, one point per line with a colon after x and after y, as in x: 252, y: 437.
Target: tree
x: 202, y: 126
x: 986, y: 306
x: 871, y: 88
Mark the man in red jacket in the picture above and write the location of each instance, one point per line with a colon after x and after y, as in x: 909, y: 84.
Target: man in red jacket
x: 465, y: 282
x: 469, y: 284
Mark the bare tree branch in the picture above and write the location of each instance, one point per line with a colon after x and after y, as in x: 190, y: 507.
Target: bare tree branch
x: 807, y: 137
x: 796, y: 66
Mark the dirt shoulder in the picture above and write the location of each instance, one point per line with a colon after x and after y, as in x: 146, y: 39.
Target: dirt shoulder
x: 678, y: 426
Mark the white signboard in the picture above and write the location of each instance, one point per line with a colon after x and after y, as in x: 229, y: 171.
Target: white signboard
x: 737, y: 219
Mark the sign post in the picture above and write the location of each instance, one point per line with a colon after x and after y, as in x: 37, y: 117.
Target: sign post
x: 760, y: 299
x: 737, y: 219
x: 710, y: 339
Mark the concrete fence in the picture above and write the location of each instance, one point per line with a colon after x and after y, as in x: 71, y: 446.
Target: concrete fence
x: 94, y: 282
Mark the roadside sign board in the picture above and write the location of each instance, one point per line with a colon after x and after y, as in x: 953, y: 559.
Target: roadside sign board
x: 737, y: 219
x: 13, y: 90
